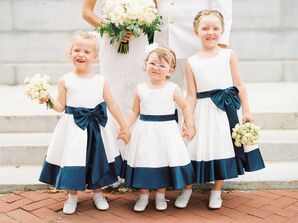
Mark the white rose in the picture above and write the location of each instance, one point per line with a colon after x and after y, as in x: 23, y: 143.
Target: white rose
x: 27, y: 80
x: 237, y: 143
x: 134, y: 12
x: 43, y: 94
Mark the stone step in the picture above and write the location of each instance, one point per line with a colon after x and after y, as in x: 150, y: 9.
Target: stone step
x: 23, y: 148
x: 19, y: 149
x: 47, y: 123
x: 275, y: 106
x: 28, y: 123
x: 276, y: 175
x: 279, y: 145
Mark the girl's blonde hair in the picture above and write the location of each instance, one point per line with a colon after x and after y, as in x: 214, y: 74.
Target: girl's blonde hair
x: 166, y: 54
x: 86, y: 36
x: 207, y: 12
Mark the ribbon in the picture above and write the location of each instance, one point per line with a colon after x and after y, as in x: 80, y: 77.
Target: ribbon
x: 97, y: 165
x: 228, y: 101
x: 160, y: 118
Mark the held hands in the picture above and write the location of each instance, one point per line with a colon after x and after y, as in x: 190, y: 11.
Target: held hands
x: 188, y: 132
x: 247, y: 117
x: 124, y: 134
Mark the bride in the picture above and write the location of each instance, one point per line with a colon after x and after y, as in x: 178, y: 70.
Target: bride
x: 124, y: 71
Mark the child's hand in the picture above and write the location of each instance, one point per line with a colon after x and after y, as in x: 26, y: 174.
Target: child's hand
x: 124, y: 134
x: 43, y: 100
x: 190, y: 132
x: 247, y: 117
x: 184, y: 130
x: 122, y: 137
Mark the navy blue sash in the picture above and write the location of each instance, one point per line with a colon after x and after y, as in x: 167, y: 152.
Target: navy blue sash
x: 159, y: 118
x: 228, y: 101
x: 97, y: 165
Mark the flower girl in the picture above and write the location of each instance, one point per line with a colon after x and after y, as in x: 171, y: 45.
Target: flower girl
x: 156, y: 157
x: 83, y: 153
x: 215, y: 89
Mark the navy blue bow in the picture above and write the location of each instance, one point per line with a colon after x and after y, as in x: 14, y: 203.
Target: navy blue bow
x: 83, y: 116
x: 226, y: 98
x: 228, y: 101
x: 97, y: 165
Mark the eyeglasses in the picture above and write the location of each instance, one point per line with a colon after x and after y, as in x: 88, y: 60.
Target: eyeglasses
x: 157, y: 65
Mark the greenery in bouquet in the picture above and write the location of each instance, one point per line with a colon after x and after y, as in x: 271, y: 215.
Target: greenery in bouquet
x: 246, y: 134
x: 37, y: 88
x: 134, y: 16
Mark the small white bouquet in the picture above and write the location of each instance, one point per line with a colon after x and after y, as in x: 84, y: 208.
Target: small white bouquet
x: 135, y: 16
x: 245, y: 134
x: 37, y: 89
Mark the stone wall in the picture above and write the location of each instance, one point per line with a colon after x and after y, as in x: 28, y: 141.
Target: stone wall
x: 34, y: 35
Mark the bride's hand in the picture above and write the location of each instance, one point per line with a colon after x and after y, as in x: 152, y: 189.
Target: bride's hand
x: 127, y: 37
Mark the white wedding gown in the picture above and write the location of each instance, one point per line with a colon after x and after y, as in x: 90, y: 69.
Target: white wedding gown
x: 123, y: 71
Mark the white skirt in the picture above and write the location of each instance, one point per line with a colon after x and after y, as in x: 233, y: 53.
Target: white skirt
x: 212, y: 151
x: 156, y: 157
x: 66, y: 156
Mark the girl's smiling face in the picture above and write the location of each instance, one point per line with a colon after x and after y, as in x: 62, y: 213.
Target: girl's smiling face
x: 83, y: 54
x: 209, y: 30
x: 157, y: 68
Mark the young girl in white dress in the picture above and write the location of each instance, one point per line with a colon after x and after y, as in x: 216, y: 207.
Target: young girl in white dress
x: 83, y: 152
x: 156, y: 157
x: 215, y: 90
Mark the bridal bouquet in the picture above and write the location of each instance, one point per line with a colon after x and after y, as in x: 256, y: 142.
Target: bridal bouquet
x: 135, y: 16
x: 37, y: 88
x: 245, y: 134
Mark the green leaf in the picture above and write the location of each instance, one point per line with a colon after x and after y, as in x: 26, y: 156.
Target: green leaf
x: 122, y: 34
x: 112, y: 41
x: 101, y: 31
x: 130, y: 27
x: 136, y: 31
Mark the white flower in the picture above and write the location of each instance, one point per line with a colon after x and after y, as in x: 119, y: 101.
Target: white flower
x: 134, y: 12
x: 43, y: 94
x: 27, y: 79
x: 237, y: 143
x: 114, y: 13
x: 37, y: 87
x: 136, y: 16
x: 138, y: 12
x: 245, y: 134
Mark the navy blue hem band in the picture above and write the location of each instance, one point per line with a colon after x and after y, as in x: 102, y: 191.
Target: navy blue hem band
x: 207, y: 171
x: 74, y: 177
x: 156, y: 178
